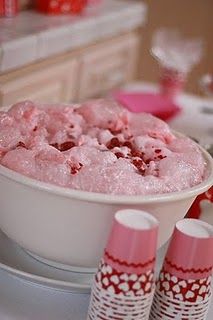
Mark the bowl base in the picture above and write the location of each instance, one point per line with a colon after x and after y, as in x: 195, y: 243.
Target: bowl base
x: 61, y: 266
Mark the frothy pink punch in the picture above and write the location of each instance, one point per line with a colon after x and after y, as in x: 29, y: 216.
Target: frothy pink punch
x: 98, y: 146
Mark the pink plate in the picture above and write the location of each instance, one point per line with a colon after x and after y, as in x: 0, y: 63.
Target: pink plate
x: 156, y: 104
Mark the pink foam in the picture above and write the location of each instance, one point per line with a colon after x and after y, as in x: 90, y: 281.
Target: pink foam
x: 99, y: 147
x: 146, y: 124
x: 103, y: 113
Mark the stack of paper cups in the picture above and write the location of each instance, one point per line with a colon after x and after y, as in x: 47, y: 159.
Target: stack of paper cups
x: 124, y: 284
x: 183, y: 289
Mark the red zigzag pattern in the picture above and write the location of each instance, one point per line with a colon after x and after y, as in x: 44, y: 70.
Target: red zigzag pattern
x: 173, y: 265
x: 124, y: 263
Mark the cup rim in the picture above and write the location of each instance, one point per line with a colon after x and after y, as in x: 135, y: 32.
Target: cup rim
x: 182, y: 224
x: 130, y: 218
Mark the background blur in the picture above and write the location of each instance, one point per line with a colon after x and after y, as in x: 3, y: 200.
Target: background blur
x: 191, y: 17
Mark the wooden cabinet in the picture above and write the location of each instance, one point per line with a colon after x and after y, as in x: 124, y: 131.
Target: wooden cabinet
x: 108, y: 65
x: 77, y: 75
x: 44, y: 83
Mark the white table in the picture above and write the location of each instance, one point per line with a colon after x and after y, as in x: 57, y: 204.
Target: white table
x: 20, y: 300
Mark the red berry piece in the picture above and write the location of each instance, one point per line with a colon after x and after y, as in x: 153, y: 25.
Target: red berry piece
x: 55, y: 145
x: 137, y: 163
x: 157, y: 150
x: 119, y: 155
x: 73, y: 170
x: 21, y: 144
x: 114, y: 142
x: 128, y: 144
x: 66, y: 145
x: 161, y: 157
x: 136, y: 153
x: 142, y: 171
x: 147, y: 161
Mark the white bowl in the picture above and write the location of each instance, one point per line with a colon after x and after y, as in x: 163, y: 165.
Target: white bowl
x: 71, y: 227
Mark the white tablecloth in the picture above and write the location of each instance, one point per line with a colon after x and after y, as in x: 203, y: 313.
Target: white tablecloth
x: 20, y: 300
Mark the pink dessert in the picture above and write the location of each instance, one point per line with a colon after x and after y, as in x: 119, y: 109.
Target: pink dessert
x: 98, y: 146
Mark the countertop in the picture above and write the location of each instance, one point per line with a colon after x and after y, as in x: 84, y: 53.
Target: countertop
x: 31, y: 36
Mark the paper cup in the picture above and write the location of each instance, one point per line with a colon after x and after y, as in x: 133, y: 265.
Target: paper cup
x: 190, y: 253
x: 183, y: 290
x: 187, y: 267
x: 124, y: 284
x: 132, y: 244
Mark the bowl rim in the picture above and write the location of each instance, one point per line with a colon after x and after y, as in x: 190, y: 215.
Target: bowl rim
x: 114, y: 199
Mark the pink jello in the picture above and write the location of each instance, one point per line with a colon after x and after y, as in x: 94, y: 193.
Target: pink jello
x: 98, y: 147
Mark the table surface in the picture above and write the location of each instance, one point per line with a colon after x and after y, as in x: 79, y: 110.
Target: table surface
x: 21, y: 300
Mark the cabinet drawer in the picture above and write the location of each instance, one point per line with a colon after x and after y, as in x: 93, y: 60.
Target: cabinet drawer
x: 108, y: 65
x: 51, y: 83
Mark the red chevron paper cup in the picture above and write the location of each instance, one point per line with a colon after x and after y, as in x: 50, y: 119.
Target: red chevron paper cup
x: 127, y: 267
x: 131, y: 247
x: 124, y: 284
x: 190, y: 252
x: 187, y: 268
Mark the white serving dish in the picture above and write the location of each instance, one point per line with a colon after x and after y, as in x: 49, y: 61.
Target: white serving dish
x: 67, y: 228
x: 15, y: 261
x: 71, y: 227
